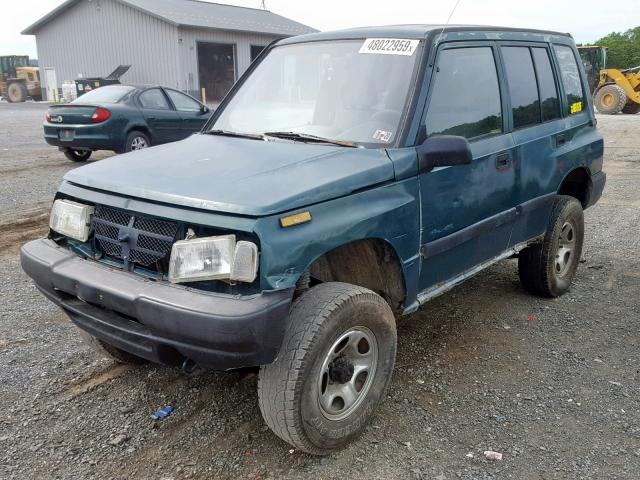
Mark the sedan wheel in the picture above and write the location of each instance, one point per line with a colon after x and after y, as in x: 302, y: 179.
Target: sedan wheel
x: 136, y: 140
x: 138, y: 143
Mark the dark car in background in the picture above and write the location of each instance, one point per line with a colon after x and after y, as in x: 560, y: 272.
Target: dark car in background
x: 122, y: 118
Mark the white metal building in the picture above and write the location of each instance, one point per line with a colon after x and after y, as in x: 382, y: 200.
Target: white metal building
x: 185, y: 44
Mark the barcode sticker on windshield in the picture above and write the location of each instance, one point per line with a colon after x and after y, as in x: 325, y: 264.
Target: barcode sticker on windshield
x: 389, y: 46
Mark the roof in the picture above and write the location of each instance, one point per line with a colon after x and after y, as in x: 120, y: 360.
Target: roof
x: 199, y: 14
x: 417, y: 31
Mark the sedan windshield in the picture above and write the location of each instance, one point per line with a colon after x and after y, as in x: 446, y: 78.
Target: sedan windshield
x: 108, y: 94
x: 323, y: 92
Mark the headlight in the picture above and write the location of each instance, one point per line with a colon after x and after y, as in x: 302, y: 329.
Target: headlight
x: 213, y: 258
x: 71, y: 219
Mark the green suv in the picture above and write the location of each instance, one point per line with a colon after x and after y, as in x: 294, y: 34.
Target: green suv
x: 348, y: 177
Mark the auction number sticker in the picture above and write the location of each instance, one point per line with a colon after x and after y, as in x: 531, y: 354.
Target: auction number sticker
x: 389, y: 46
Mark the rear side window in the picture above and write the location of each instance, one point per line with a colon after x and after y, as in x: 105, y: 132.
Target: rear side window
x: 465, y: 98
x: 523, y: 88
x: 546, y: 84
x: 570, y: 78
x: 154, y: 99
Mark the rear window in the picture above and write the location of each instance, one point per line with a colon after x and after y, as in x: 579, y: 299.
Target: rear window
x: 108, y: 94
x: 465, y: 99
x: 570, y: 78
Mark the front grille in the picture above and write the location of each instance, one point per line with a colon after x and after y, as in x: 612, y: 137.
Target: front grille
x: 133, y: 238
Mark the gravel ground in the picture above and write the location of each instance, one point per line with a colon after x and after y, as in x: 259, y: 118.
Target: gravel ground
x: 552, y: 384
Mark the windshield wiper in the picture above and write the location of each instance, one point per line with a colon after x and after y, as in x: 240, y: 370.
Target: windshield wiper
x: 228, y: 133
x: 305, y: 137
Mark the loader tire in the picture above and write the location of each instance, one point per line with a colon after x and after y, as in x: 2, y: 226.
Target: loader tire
x: 631, y: 107
x: 16, y: 92
x: 610, y: 99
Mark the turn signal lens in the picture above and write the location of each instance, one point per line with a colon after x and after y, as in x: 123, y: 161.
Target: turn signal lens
x: 100, y: 115
x: 296, y: 219
x: 48, y: 117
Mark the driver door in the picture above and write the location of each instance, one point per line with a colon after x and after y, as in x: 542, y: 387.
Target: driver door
x: 467, y: 210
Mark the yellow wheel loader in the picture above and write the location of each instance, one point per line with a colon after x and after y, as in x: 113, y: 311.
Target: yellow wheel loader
x: 613, y: 90
x: 18, y: 80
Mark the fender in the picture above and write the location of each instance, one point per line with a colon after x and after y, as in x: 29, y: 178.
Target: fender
x: 389, y: 212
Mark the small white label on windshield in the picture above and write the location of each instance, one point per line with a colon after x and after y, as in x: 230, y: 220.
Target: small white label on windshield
x: 389, y: 46
x: 382, y: 135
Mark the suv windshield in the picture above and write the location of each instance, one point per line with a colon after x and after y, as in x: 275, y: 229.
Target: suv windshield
x: 108, y: 94
x: 325, y: 89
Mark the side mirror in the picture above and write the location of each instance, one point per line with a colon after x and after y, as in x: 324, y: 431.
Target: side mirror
x: 204, y: 109
x: 443, y: 151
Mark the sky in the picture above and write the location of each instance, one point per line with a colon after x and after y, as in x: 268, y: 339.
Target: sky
x: 586, y: 20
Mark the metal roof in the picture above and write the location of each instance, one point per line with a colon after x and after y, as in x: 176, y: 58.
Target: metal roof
x: 200, y: 14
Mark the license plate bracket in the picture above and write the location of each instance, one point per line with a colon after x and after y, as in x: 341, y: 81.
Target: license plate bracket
x: 66, y: 134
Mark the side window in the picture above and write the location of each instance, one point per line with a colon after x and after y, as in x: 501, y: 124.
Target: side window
x: 523, y: 89
x: 182, y: 102
x: 154, y: 99
x: 546, y: 84
x: 465, y: 98
x: 570, y: 78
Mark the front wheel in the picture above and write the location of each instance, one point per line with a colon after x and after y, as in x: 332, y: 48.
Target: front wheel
x: 77, y: 155
x: 333, y: 370
x: 547, y: 269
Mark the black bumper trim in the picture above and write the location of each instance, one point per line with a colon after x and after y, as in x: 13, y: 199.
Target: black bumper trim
x: 158, y: 321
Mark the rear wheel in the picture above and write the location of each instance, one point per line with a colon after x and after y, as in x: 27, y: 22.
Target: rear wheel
x: 109, y: 351
x: 610, y: 99
x: 16, y: 92
x: 631, y: 107
x: 547, y: 269
x: 77, y: 155
x: 136, y: 140
x: 333, y: 369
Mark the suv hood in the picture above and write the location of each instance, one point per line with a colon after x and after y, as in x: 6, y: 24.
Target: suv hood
x: 237, y: 175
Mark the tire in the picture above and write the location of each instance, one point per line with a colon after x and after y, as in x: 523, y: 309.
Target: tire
x: 77, y: 155
x: 295, y: 392
x: 136, y: 140
x: 109, y: 351
x: 631, y: 107
x: 16, y: 92
x: 610, y: 99
x: 547, y: 269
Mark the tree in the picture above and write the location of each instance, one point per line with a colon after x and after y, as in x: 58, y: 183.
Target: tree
x: 623, y: 48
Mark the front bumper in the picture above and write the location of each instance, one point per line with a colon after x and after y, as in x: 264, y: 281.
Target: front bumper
x: 159, y: 321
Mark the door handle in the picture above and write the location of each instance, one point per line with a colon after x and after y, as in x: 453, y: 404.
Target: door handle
x: 561, y: 139
x: 503, y: 161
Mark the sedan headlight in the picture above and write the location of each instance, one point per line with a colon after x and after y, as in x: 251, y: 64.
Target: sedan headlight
x: 213, y: 258
x: 71, y: 219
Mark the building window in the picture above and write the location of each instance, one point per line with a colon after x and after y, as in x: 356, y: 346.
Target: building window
x: 256, y: 50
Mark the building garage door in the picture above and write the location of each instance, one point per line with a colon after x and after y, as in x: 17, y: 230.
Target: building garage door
x: 216, y: 69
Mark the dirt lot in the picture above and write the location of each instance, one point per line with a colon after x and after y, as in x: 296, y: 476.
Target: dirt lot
x: 552, y: 384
